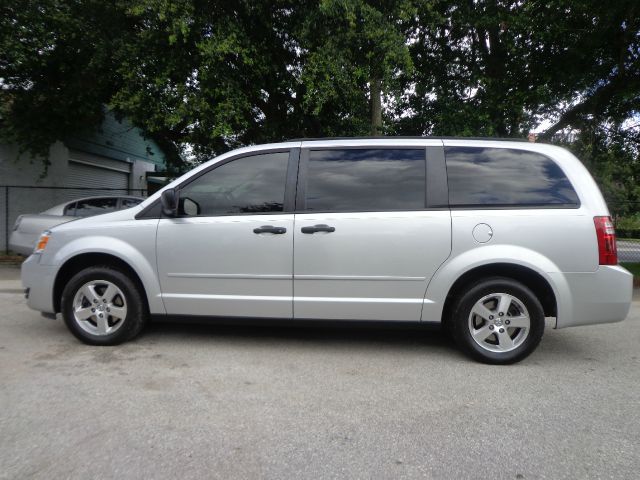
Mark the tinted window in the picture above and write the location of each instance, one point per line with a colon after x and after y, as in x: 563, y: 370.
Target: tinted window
x: 366, y: 179
x: 248, y: 185
x: 88, y: 208
x: 129, y: 202
x: 501, y: 176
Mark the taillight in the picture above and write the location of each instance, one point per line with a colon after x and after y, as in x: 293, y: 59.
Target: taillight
x: 17, y: 224
x: 607, y: 251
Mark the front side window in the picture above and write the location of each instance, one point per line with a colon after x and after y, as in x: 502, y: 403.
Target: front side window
x: 247, y: 185
x: 506, y: 177
x: 97, y: 206
x: 352, y: 180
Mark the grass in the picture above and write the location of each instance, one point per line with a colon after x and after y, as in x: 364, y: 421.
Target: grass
x: 633, y: 268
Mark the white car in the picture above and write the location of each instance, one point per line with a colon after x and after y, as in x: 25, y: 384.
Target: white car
x: 28, y: 228
x: 485, y: 237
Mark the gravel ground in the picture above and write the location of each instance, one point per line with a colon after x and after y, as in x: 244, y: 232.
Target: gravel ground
x: 239, y: 402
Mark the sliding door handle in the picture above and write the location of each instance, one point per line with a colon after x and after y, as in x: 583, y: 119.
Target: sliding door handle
x: 318, y: 228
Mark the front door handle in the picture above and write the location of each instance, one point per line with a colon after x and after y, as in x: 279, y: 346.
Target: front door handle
x: 270, y: 229
x: 318, y: 228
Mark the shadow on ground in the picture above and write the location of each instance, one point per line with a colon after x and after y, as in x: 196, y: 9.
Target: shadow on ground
x: 353, y: 335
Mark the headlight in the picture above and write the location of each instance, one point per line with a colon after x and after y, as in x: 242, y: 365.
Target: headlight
x: 42, y: 241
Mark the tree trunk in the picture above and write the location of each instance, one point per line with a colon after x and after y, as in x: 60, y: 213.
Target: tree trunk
x: 376, y: 106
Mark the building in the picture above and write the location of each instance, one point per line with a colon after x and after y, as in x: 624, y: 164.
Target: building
x: 114, y: 160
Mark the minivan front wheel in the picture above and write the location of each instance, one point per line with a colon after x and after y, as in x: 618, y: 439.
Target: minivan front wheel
x: 498, y: 321
x: 103, y: 306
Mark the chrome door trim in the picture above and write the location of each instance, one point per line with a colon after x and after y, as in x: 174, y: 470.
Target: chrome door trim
x: 360, y: 300
x: 239, y: 276
x: 243, y: 298
x: 360, y: 277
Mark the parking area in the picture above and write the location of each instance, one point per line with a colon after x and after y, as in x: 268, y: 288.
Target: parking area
x: 188, y: 401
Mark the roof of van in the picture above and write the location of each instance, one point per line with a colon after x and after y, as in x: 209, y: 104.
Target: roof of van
x: 405, y: 137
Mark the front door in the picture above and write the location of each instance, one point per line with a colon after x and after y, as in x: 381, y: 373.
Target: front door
x: 229, y: 252
x: 366, y: 240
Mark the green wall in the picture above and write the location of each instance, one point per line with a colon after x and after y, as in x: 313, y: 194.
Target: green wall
x: 120, y: 141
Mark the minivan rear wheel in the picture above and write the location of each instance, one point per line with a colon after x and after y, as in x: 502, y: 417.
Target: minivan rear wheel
x: 103, y: 306
x: 497, y: 321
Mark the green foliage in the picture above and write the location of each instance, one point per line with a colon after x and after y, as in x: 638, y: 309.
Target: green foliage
x: 629, y: 222
x: 205, y: 76
x: 634, y: 268
x: 348, y: 44
x: 613, y: 160
x: 57, y: 63
x: 498, y: 67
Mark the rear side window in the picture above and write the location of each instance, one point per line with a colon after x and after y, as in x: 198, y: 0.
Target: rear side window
x: 351, y: 180
x: 70, y: 210
x: 129, y: 202
x: 89, y: 208
x: 506, y: 177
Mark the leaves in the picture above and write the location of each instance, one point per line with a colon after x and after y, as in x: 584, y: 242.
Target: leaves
x: 501, y: 67
x: 205, y: 76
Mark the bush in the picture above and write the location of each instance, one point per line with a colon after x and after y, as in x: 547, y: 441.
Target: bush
x: 630, y: 222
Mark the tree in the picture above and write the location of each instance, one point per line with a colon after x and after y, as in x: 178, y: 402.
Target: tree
x: 612, y: 158
x: 500, y: 67
x: 351, y: 48
x: 205, y: 76
x: 57, y: 67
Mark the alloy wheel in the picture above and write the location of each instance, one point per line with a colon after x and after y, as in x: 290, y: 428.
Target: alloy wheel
x: 99, y: 307
x: 499, y: 322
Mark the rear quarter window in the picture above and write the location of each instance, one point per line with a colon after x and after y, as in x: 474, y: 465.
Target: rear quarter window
x: 96, y: 206
x: 495, y: 177
x: 70, y: 210
x: 129, y: 202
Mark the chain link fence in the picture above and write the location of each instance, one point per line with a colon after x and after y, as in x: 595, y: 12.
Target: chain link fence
x: 628, y: 250
x: 16, y: 200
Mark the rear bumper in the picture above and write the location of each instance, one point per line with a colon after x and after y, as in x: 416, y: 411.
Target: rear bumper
x: 603, y: 296
x: 38, y: 280
x: 22, y: 243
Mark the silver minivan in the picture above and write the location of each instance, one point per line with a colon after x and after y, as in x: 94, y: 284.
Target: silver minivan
x: 485, y: 237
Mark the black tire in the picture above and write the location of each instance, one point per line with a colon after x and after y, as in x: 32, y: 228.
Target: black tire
x: 461, y: 330
x: 136, y: 313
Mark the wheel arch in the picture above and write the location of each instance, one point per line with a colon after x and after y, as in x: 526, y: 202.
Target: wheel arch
x: 533, y: 280
x: 81, y: 261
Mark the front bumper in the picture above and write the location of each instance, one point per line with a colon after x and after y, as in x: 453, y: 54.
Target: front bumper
x: 38, y: 280
x: 603, y: 296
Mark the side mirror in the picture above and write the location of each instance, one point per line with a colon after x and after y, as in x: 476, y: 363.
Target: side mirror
x: 189, y: 207
x: 169, y: 201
